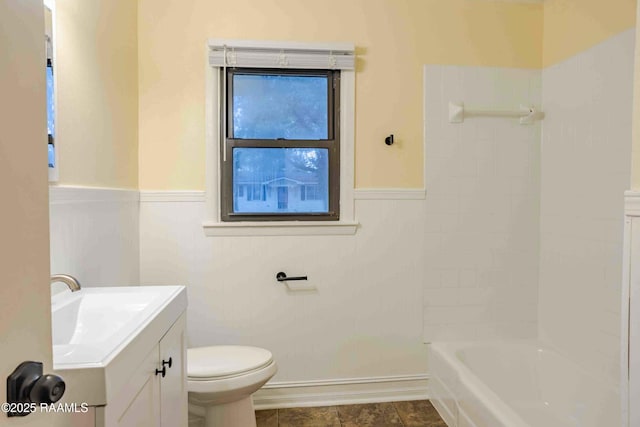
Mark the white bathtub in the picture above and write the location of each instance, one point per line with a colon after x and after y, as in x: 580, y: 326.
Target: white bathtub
x: 517, y: 384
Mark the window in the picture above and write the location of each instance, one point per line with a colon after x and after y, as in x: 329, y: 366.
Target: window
x: 281, y: 148
x: 52, y: 141
x: 50, y: 115
x: 279, y: 138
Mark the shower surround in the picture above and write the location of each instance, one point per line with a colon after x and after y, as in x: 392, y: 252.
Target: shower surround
x: 525, y: 235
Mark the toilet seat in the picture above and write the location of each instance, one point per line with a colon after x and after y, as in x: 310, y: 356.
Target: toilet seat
x: 225, y: 361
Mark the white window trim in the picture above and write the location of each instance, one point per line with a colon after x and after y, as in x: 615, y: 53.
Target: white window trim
x: 213, y: 226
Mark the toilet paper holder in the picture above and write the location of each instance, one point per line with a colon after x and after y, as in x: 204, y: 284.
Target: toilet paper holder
x: 282, y: 277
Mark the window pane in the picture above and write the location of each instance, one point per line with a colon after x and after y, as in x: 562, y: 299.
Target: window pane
x: 271, y: 106
x: 52, y: 155
x: 50, y: 112
x: 50, y: 117
x: 280, y: 180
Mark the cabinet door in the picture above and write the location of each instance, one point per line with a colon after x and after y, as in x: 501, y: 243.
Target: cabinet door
x: 138, y: 404
x: 173, y: 387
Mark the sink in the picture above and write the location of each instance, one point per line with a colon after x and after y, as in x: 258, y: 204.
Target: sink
x: 88, y: 325
x: 96, y: 331
x: 93, y: 316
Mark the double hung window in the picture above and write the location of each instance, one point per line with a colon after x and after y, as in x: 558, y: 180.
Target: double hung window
x: 280, y: 140
x: 280, y: 145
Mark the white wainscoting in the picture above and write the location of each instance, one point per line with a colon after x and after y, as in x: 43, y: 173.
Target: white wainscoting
x: 630, y: 312
x: 351, y: 333
x: 95, y: 235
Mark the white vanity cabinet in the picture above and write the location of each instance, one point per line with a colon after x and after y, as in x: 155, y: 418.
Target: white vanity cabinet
x: 150, y: 399
x: 173, y: 387
x: 111, y: 346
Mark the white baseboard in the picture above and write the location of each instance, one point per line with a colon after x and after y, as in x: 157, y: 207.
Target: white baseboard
x: 341, y: 392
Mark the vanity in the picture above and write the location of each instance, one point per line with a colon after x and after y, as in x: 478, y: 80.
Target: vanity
x: 122, y: 351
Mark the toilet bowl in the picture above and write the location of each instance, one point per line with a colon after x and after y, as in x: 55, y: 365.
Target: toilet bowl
x: 221, y: 380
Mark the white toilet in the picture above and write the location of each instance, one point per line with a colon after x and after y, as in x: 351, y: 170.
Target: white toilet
x: 221, y: 380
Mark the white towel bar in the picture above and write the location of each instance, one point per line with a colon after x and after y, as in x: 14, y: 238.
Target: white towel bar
x: 527, y: 115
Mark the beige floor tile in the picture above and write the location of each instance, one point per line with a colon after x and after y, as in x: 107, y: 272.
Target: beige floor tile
x: 369, y: 415
x: 325, y: 416
x: 267, y: 418
x: 419, y: 413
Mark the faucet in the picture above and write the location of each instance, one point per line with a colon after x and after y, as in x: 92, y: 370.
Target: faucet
x: 68, y: 280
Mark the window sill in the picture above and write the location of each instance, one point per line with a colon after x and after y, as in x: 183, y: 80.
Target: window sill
x: 284, y: 228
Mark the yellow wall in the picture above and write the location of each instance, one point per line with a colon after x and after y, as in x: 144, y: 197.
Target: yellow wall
x: 571, y: 26
x: 97, y: 98
x: 394, y: 38
x: 131, y: 103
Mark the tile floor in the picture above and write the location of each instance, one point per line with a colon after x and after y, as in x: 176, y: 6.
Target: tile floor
x: 417, y: 413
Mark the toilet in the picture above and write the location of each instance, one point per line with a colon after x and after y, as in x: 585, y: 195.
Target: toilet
x: 221, y: 380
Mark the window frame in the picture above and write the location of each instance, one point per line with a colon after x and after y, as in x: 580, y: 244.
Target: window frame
x: 211, y: 223
x: 332, y: 144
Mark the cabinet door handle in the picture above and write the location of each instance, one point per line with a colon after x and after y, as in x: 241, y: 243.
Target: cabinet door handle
x: 163, y: 371
x: 170, y: 362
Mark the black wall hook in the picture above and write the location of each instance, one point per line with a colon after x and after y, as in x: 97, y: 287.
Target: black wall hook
x: 389, y: 140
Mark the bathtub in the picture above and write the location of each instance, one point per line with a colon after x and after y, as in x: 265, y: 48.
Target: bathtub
x: 517, y: 384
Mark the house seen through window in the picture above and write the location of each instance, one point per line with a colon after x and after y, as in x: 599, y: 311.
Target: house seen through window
x: 281, y: 148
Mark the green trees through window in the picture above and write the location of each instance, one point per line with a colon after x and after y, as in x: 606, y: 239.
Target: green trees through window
x: 279, y: 106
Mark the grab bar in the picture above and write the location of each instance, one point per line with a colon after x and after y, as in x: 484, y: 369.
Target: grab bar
x: 282, y: 277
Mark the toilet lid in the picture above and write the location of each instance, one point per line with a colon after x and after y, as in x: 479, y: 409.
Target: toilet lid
x: 225, y: 360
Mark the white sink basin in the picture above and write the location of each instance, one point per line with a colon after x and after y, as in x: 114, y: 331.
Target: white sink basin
x: 93, y: 328
x: 93, y: 317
